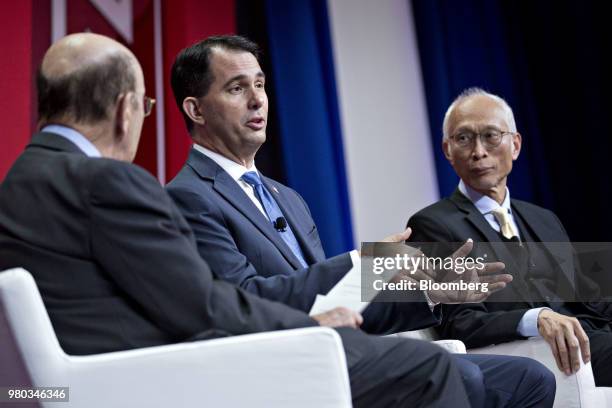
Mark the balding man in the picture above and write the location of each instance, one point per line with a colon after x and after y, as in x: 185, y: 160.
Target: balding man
x: 117, y: 265
x: 481, y: 142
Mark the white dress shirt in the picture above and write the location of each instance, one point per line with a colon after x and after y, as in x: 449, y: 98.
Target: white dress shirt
x: 236, y: 171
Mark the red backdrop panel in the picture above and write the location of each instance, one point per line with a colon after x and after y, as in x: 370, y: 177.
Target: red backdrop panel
x: 15, y: 74
x: 83, y: 16
x: 184, y: 23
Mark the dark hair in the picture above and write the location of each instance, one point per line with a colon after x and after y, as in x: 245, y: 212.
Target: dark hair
x: 87, y: 93
x: 191, y: 74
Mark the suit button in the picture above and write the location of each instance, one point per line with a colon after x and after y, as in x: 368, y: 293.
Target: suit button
x: 548, y: 298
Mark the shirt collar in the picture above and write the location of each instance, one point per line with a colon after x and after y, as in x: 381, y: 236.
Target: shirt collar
x: 483, y: 203
x: 235, y: 170
x: 75, y: 137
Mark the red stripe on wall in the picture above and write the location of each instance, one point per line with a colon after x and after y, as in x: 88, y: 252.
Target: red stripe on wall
x: 184, y: 23
x: 16, y: 74
x: 83, y: 16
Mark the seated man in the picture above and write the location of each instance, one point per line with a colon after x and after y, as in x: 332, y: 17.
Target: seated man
x: 234, y: 211
x: 117, y: 265
x: 481, y: 142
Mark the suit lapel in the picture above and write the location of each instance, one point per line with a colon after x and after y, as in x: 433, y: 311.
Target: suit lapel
x: 501, y: 251
x: 474, y: 217
x: 293, y: 219
x: 227, y: 187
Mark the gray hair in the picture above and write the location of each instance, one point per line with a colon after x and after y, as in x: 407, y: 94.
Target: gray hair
x: 475, y: 91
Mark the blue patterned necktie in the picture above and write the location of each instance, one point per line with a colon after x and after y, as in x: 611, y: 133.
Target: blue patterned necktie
x: 274, y: 212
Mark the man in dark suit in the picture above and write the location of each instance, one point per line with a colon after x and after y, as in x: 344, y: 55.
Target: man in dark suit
x: 258, y: 233
x: 117, y: 265
x: 481, y: 142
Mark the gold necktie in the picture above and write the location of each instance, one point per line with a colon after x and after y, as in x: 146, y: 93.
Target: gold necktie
x: 502, y: 217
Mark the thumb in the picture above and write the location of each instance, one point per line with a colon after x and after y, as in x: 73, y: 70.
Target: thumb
x: 399, y: 237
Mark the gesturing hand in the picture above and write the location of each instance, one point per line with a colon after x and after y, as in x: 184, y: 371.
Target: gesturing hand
x: 566, y: 338
x: 488, y: 273
x: 339, y: 317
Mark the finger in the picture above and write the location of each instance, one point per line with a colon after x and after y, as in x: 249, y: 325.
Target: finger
x: 504, y: 277
x: 555, y: 350
x: 573, y: 347
x: 494, y: 287
x: 358, y: 318
x: 563, y: 352
x: 464, y: 249
x: 583, y: 339
x: 399, y: 237
x: 490, y: 268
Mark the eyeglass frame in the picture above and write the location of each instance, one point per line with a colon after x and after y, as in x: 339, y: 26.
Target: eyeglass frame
x: 480, y: 136
x: 147, y: 105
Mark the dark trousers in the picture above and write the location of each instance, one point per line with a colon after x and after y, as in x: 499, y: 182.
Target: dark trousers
x: 400, y: 372
x: 600, y: 340
x: 506, y: 381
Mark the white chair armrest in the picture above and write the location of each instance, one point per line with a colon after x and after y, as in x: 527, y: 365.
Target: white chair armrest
x: 452, y: 346
x: 607, y: 393
x: 577, y: 390
x: 297, y: 368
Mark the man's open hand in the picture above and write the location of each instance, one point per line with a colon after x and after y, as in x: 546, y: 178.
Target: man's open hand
x: 488, y: 274
x: 339, y: 317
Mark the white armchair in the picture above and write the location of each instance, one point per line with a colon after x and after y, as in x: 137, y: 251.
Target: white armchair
x: 297, y: 368
x: 573, y: 391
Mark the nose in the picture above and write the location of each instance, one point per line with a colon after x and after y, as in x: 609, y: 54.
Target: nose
x: 257, y: 99
x: 479, y: 151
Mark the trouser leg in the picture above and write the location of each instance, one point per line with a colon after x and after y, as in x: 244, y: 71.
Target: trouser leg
x: 601, y: 356
x: 400, y: 372
x: 511, y: 381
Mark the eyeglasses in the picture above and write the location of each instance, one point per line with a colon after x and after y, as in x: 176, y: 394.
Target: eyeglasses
x: 148, y: 104
x: 490, y: 138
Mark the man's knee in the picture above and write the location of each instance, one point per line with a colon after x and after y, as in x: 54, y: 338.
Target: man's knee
x: 536, y: 372
x: 473, y: 380
x: 539, y: 379
x: 471, y: 375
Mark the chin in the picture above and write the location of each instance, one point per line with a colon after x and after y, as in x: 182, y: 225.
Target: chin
x: 258, y: 138
x: 481, y: 184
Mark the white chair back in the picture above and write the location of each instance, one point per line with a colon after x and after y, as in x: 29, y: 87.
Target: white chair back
x: 21, y: 306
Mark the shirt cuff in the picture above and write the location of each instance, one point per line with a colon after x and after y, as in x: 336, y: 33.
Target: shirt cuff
x: 528, y: 326
x: 430, y: 302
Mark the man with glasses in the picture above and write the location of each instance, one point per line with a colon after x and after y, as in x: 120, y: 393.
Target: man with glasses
x: 219, y: 87
x: 481, y: 142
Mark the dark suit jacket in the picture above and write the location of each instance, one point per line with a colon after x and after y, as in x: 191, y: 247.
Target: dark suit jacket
x: 115, y: 262
x: 455, y: 219
x: 242, y: 247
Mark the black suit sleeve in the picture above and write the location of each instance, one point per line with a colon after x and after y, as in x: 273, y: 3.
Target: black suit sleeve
x: 147, y: 248
x: 217, y: 246
x: 472, y: 323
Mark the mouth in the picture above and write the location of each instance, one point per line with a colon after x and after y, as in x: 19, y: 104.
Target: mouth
x: 256, y: 123
x: 481, y: 170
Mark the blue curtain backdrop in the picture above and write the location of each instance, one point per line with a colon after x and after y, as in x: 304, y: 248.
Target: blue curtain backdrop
x: 302, y: 67
x: 550, y: 61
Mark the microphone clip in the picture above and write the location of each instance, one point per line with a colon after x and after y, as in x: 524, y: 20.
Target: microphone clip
x: 280, y: 224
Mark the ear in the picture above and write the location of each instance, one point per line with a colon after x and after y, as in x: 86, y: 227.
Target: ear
x: 446, y: 148
x: 192, y: 108
x: 516, y: 145
x: 123, y: 115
